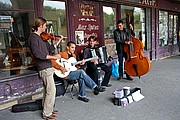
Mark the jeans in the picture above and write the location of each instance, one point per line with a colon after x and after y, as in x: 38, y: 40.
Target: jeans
x: 83, y: 80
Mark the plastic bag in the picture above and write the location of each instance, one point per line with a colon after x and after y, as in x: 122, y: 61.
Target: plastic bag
x: 115, y: 69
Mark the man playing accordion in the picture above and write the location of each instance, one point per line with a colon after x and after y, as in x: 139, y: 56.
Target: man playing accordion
x: 92, y: 66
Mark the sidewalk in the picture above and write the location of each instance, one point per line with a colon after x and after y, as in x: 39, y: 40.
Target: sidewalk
x: 161, y: 88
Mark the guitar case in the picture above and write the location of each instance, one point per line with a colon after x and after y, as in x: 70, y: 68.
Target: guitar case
x: 30, y: 106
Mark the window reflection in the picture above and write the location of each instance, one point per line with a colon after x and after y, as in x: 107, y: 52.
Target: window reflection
x: 109, y: 21
x: 16, y: 4
x: 170, y: 40
x: 55, y: 14
x: 175, y: 29
x: 5, y: 4
x: 109, y: 14
x: 136, y: 17
x: 163, y: 28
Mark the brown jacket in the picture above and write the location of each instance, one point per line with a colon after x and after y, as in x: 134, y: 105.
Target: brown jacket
x: 64, y: 55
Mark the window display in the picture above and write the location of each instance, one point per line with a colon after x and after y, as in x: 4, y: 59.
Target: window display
x: 163, y: 28
x: 15, y: 28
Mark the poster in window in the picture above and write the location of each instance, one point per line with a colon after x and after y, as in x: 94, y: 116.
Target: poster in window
x: 79, y: 37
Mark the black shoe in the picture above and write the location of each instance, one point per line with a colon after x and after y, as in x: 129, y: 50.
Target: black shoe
x: 84, y: 99
x: 101, y: 89
x: 96, y: 90
x: 129, y: 78
x: 119, y: 78
x: 108, y: 85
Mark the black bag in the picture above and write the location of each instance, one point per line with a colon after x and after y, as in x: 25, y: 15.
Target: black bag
x: 60, y: 88
x: 30, y: 106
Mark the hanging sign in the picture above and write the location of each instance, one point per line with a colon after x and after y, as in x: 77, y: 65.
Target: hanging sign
x: 86, y: 26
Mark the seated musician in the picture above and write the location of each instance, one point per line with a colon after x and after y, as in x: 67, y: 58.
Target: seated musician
x: 91, y: 69
x: 79, y: 75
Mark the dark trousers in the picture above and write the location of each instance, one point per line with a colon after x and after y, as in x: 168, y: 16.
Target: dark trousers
x: 121, y: 62
x: 120, y: 59
x: 92, y: 71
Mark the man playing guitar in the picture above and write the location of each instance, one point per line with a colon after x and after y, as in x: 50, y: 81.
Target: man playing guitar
x: 79, y: 74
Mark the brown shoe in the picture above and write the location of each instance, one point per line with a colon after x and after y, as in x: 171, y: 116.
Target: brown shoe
x: 51, y: 117
x: 55, y: 112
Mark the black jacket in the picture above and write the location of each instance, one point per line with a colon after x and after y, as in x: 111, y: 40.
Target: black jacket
x: 120, y: 37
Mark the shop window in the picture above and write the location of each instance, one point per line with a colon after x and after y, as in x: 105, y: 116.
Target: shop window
x: 140, y: 19
x: 170, y: 40
x: 172, y: 29
x: 55, y: 14
x: 15, y: 56
x: 175, y: 29
x: 163, y: 28
x: 168, y: 30
x: 109, y: 14
x: 17, y: 4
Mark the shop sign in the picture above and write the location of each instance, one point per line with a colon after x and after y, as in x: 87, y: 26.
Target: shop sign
x: 149, y: 2
x: 145, y: 2
x: 86, y: 26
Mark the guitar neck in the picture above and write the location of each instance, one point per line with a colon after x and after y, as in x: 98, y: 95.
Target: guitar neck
x: 94, y: 58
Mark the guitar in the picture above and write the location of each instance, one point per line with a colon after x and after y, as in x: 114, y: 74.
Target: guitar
x: 69, y: 65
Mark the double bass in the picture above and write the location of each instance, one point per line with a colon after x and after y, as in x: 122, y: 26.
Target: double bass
x: 136, y: 63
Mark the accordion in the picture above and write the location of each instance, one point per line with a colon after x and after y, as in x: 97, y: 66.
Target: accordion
x: 101, y: 53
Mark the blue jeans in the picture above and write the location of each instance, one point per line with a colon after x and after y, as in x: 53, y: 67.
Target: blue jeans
x: 83, y: 80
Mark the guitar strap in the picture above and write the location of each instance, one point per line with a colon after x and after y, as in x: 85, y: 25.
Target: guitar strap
x: 69, y: 55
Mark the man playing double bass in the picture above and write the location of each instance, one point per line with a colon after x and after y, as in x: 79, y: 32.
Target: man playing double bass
x: 121, y: 37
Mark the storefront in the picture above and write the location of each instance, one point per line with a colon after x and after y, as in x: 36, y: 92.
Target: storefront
x: 156, y: 23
